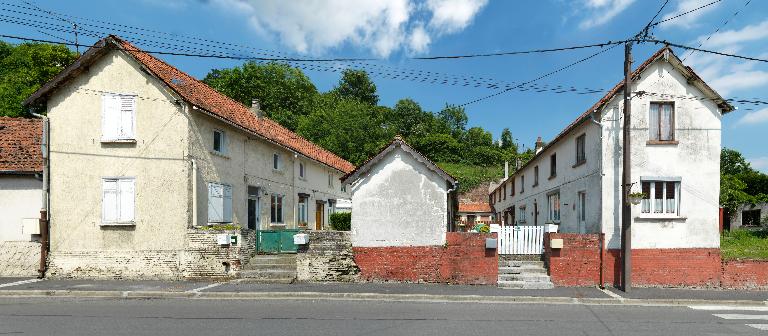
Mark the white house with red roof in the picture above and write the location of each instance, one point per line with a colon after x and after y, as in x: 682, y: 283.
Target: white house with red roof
x: 21, y: 195
x: 156, y: 175
x: 574, y: 181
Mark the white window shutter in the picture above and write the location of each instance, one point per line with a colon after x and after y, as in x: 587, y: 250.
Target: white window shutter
x: 127, y: 200
x: 110, y: 116
x: 109, y: 212
x: 215, y: 202
x: 127, y: 116
x: 227, y: 204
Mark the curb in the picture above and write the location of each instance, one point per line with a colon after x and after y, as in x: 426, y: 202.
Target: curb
x: 369, y: 297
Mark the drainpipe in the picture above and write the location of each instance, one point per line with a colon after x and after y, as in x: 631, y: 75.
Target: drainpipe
x: 44, y: 212
x: 194, y: 192
x: 452, y: 214
x: 600, y: 218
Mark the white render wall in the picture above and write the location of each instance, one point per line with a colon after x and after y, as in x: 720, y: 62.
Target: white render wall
x: 20, y: 202
x: 569, y: 181
x: 696, y: 160
x: 399, y: 202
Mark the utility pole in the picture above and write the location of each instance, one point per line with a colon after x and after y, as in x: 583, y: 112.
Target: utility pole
x: 626, y: 178
x: 77, y: 45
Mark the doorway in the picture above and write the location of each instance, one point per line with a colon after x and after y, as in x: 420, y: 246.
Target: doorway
x: 581, y: 211
x: 254, y: 208
x: 319, y: 215
x: 535, y: 213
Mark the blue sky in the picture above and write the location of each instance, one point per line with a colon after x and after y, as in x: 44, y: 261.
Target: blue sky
x: 395, y: 30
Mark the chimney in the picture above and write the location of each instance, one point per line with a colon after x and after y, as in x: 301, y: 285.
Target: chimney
x: 539, y: 145
x: 256, y: 108
x: 518, y: 163
x: 506, y: 170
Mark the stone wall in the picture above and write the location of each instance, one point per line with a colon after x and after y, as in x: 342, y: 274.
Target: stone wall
x: 19, y: 258
x: 328, y: 257
x: 463, y: 260
x: 202, y: 258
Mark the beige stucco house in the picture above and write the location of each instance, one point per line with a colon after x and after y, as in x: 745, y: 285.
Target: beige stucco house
x: 149, y: 166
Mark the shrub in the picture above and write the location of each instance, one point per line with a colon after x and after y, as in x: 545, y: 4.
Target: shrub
x: 341, y: 221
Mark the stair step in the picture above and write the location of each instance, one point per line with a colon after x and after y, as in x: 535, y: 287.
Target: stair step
x: 524, y: 277
x: 266, y: 281
x: 519, y: 263
x: 267, y: 274
x: 251, y: 266
x: 522, y: 270
x: 525, y: 285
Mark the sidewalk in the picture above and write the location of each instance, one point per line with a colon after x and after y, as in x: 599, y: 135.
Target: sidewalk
x: 22, y: 287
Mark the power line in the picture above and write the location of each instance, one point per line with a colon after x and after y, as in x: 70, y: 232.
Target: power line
x: 718, y: 29
x: 521, y: 52
x: 686, y: 13
x: 706, y: 51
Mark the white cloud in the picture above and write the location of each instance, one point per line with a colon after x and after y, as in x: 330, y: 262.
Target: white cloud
x: 730, y: 37
x: 759, y: 163
x: 756, y: 117
x: 690, y: 19
x: 449, y: 16
x: 601, y: 12
x: 382, y: 26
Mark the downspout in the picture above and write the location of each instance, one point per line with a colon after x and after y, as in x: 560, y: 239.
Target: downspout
x: 44, y: 212
x: 450, y: 205
x: 600, y: 213
x: 194, y: 193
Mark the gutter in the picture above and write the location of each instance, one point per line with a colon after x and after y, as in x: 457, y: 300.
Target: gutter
x: 45, y: 211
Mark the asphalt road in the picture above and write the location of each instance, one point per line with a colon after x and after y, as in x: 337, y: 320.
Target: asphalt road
x: 63, y: 316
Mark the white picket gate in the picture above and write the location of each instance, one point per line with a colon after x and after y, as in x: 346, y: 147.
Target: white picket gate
x: 520, y: 239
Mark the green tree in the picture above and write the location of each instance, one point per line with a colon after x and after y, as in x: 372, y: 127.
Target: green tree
x: 507, y: 142
x: 348, y: 127
x: 356, y: 84
x: 732, y: 162
x: 438, y: 147
x: 26, y: 67
x: 284, y: 93
x: 406, y: 118
x: 455, y: 118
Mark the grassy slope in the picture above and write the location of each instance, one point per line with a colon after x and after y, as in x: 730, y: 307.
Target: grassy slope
x: 744, y: 244
x: 470, y: 176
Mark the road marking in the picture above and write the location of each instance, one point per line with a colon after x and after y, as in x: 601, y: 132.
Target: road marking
x: 197, y: 290
x: 610, y: 293
x: 745, y: 308
x: 759, y: 326
x: 20, y: 282
x: 742, y: 317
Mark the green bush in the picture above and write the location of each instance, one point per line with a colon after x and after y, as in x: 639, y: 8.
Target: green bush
x: 341, y: 221
x: 744, y: 244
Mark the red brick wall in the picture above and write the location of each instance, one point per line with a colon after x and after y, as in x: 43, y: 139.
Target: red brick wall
x: 464, y: 260
x: 578, y: 264
x: 745, y: 274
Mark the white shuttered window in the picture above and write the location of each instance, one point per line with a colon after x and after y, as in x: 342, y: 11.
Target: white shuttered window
x: 118, y: 200
x: 118, y: 117
x: 219, y: 203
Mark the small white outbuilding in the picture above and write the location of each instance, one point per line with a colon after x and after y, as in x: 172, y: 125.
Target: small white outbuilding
x: 401, y: 198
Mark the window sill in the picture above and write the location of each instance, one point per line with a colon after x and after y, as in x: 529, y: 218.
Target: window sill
x: 535, y: 185
x: 118, y: 224
x: 662, y: 142
x: 579, y: 164
x: 552, y: 176
x: 220, y: 154
x: 128, y: 141
x: 660, y: 218
x: 277, y: 224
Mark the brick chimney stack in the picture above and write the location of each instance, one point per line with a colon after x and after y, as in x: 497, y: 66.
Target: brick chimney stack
x: 256, y: 108
x: 539, y: 145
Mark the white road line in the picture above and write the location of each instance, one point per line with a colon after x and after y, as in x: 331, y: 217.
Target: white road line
x: 759, y: 326
x: 20, y: 282
x: 745, y: 308
x: 742, y: 317
x: 610, y: 293
x: 196, y: 290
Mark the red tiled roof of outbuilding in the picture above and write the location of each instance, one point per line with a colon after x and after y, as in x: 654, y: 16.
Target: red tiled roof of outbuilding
x: 20, y: 145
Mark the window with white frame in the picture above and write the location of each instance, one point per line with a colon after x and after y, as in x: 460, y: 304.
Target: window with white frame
x: 661, y: 121
x: 661, y: 197
x: 521, y: 214
x: 301, y: 170
x: 581, y: 154
x: 276, y: 209
x: 330, y: 180
x: 302, y: 210
x: 118, y: 117
x: 219, y: 141
x: 118, y: 200
x: 276, y: 161
x: 219, y: 203
x: 553, y: 204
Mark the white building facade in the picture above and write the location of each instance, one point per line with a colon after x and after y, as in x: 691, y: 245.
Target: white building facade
x: 575, y: 180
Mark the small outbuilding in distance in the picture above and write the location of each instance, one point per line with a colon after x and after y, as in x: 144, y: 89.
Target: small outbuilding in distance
x: 401, y: 198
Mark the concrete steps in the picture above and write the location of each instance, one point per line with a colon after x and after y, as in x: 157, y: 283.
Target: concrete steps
x: 277, y: 268
x: 523, y: 274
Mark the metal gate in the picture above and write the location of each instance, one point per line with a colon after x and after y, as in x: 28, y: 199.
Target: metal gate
x: 520, y: 239
x: 276, y: 241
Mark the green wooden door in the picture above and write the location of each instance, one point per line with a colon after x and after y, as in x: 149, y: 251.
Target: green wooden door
x: 276, y: 241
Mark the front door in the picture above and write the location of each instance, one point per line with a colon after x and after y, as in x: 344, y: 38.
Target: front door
x: 253, y: 208
x: 319, y: 216
x: 535, y: 213
x: 582, y: 211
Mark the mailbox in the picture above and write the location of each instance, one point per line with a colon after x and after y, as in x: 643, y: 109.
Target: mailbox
x: 556, y: 243
x: 223, y: 239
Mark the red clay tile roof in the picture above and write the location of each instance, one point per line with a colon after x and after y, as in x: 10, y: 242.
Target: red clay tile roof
x: 206, y: 98
x: 20, y: 145
x: 475, y: 207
